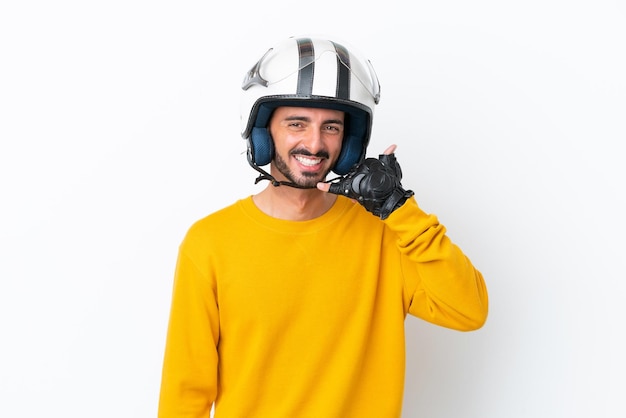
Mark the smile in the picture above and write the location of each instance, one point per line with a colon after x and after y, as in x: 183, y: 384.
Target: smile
x: 308, y: 161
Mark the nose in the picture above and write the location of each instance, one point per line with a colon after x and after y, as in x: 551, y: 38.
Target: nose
x: 314, y: 140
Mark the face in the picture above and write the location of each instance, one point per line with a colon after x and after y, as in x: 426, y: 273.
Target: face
x: 307, y: 142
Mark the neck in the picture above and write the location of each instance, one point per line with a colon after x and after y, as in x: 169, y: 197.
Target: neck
x: 292, y: 204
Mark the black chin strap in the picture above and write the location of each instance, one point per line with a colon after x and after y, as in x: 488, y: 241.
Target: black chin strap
x: 267, y: 176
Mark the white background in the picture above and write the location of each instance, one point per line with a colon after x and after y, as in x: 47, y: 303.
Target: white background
x: 119, y: 127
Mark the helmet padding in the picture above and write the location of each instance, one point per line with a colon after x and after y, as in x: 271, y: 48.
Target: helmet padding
x: 356, y: 125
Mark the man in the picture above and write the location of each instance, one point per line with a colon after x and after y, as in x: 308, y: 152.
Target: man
x: 291, y: 303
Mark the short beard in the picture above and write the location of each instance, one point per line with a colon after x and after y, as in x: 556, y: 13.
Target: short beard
x: 308, y: 180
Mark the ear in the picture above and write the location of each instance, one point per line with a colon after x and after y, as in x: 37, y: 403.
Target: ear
x: 262, y: 146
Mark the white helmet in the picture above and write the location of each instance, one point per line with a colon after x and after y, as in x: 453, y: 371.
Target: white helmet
x: 309, y: 72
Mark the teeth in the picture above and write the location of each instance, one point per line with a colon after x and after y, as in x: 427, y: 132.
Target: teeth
x: 308, y: 161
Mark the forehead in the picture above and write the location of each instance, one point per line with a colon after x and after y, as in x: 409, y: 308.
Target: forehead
x: 308, y: 112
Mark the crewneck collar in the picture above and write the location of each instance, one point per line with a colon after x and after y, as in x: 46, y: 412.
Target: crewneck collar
x: 338, y: 209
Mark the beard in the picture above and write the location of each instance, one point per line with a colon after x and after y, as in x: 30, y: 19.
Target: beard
x: 305, y: 179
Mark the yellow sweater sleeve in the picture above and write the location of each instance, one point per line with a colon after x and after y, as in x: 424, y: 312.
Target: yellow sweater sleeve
x: 442, y: 286
x: 189, y: 381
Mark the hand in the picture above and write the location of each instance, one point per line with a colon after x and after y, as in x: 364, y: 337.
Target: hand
x: 374, y: 183
x: 326, y: 186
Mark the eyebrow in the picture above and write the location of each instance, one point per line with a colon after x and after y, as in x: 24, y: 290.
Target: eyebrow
x: 307, y: 119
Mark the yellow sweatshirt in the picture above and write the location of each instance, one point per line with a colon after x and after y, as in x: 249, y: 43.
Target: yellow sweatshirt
x: 282, y: 319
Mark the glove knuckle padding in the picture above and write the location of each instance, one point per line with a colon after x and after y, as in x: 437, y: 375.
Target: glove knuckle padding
x: 375, y: 183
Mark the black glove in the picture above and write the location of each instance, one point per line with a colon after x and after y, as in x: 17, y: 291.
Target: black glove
x: 374, y: 183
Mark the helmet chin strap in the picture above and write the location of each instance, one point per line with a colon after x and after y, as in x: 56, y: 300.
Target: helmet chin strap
x: 267, y: 176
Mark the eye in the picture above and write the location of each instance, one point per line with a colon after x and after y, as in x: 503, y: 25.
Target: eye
x: 333, y: 128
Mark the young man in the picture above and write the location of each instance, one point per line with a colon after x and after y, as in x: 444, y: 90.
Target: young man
x: 291, y: 303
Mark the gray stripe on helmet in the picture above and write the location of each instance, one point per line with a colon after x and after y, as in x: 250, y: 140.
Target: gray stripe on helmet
x: 343, y: 72
x: 307, y: 67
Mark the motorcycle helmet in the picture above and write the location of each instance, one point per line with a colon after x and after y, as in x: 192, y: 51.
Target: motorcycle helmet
x: 309, y: 72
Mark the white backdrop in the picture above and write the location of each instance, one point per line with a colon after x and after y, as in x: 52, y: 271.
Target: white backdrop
x: 119, y: 127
